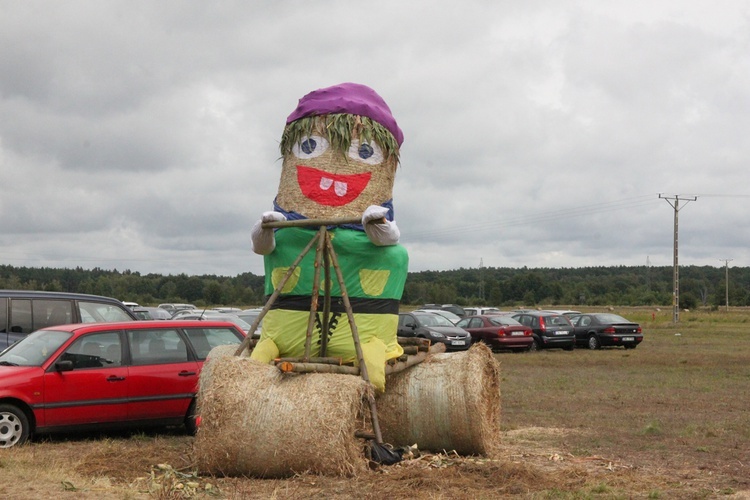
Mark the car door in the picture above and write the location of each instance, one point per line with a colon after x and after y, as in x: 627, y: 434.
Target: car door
x: 163, y: 378
x: 581, y: 327
x: 407, y: 325
x: 95, y: 390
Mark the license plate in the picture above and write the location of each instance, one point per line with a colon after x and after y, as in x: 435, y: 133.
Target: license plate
x: 458, y: 342
x: 516, y: 334
x: 562, y: 333
x: 628, y: 339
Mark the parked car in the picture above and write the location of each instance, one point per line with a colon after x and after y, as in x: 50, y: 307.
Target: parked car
x: 199, y: 315
x: 548, y: 329
x: 434, y: 327
x: 157, y: 313
x: 597, y: 330
x: 231, y: 310
x: 105, y: 375
x: 453, y: 318
x: 498, y: 332
x: 480, y: 311
x: 454, y: 308
x: 249, y: 316
x: 141, y: 313
x: 564, y: 312
x: 173, y: 308
x: 23, y: 311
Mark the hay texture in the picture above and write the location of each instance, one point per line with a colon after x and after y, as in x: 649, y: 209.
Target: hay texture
x: 449, y: 402
x: 256, y: 421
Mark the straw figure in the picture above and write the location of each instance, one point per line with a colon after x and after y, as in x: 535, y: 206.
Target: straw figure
x: 340, y: 151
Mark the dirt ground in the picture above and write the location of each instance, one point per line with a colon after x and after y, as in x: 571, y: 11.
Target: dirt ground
x: 533, y: 463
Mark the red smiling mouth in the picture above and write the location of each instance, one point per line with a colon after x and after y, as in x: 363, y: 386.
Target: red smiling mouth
x: 330, y: 189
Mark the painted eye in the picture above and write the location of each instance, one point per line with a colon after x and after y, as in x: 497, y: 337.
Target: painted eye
x: 310, y: 147
x: 367, y: 152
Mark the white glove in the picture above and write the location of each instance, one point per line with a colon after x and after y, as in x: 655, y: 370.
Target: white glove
x: 380, y: 233
x: 263, y: 240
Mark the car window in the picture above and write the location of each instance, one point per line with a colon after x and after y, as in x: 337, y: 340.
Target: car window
x: 611, y: 319
x: 476, y: 323
x: 433, y: 320
x: 556, y: 320
x: 503, y: 320
x: 52, y: 313
x: 157, y: 346
x: 3, y: 314
x: 95, y: 350
x: 20, y: 316
x: 99, y: 312
x: 463, y: 323
x: 205, y: 339
x: 407, y: 320
x: 584, y: 321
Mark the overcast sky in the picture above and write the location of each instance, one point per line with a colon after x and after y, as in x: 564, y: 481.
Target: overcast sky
x: 144, y: 135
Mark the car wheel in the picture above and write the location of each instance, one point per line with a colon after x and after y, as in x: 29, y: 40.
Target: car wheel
x: 535, y: 346
x: 190, y: 419
x: 14, y: 426
x: 594, y: 343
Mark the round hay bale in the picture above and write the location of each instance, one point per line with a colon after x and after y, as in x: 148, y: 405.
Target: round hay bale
x: 449, y: 402
x: 256, y: 421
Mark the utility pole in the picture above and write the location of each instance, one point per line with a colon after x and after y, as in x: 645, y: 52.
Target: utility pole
x: 726, y: 281
x: 674, y: 202
x: 481, y: 279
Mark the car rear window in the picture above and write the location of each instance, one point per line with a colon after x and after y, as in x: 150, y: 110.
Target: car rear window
x: 205, y: 339
x: 557, y: 321
x: 503, y: 320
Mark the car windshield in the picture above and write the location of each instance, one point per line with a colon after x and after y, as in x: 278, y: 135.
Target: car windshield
x: 503, y: 321
x: 433, y: 320
x: 34, y: 349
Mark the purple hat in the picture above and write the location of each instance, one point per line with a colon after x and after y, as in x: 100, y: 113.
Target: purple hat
x: 350, y: 98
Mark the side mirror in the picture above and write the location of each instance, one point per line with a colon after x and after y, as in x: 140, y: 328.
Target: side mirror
x: 64, y: 366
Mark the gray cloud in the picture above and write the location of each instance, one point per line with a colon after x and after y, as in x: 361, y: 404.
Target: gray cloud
x: 145, y: 136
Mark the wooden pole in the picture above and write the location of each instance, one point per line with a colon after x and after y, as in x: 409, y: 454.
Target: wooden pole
x: 275, y: 294
x: 315, y: 291
x: 355, y: 337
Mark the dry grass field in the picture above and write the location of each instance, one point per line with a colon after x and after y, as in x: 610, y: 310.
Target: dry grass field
x: 669, y: 419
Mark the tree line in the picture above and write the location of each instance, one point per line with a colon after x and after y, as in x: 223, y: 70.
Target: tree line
x: 700, y: 286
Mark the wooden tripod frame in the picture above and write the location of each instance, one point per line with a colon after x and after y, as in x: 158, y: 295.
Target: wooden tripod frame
x: 325, y: 257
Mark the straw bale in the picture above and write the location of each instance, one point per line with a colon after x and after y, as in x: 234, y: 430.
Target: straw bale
x: 451, y: 401
x: 256, y: 421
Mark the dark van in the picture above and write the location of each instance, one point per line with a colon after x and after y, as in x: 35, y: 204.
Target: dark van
x: 25, y: 311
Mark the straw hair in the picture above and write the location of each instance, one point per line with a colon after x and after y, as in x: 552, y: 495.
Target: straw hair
x: 256, y: 421
x: 339, y: 129
x: 449, y: 402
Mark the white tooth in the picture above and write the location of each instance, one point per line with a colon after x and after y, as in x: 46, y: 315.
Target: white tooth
x: 325, y: 183
x: 340, y: 188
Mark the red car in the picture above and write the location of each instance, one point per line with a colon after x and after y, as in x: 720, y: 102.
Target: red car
x: 102, y: 375
x: 498, y: 332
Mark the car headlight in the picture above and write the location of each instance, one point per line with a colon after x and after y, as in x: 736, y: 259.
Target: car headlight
x: 437, y: 335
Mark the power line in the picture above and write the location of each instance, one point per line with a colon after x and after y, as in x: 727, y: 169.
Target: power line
x: 594, y: 208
